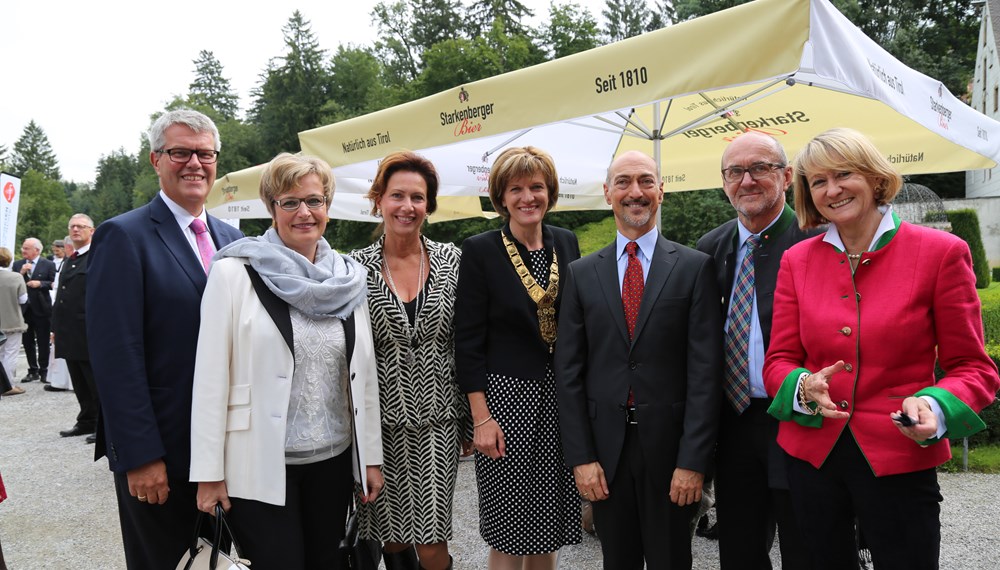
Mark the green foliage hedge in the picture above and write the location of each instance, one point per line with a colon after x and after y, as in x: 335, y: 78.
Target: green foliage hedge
x: 965, y: 224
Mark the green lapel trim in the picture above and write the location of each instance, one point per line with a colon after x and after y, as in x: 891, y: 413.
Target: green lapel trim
x: 782, y: 407
x: 887, y: 236
x: 884, y: 239
x: 959, y: 418
x: 779, y: 226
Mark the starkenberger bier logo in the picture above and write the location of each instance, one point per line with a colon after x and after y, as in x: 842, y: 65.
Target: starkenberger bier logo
x: 468, y: 120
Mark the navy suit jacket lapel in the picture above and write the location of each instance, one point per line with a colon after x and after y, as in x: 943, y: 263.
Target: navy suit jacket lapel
x: 607, y: 277
x: 173, y: 238
x: 662, y: 263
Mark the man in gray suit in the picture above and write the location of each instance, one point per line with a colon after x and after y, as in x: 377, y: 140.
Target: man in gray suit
x: 638, y: 374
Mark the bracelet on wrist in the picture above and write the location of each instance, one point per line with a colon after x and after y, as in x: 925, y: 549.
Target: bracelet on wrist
x: 484, y: 422
x: 810, y: 410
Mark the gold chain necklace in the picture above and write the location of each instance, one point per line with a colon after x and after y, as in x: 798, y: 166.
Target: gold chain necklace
x: 544, y: 298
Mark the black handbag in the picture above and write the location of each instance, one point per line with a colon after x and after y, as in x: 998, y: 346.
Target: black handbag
x: 205, y: 555
x: 355, y: 552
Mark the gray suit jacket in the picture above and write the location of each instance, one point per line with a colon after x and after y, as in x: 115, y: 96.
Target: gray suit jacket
x: 673, y: 364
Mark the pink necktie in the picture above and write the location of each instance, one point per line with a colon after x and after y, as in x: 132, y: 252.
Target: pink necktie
x: 204, y: 242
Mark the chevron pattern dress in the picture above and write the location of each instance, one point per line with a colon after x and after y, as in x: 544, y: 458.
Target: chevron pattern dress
x: 424, y: 415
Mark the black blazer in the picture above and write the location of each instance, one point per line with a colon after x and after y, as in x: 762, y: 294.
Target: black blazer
x: 674, y: 363
x: 69, y: 314
x: 721, y: 244
x: 39, y: 301
x: 496, y: 322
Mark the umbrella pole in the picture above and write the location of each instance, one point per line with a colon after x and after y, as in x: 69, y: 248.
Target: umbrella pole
x: 658, y: 160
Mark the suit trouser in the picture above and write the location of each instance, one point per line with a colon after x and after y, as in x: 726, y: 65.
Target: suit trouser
x: 637, y: 521
x: 82, y: 377
x: 898, y: 515
x: 302, y: 534
x: 155, y: 536
x: 37, y: 337
x: 752, y: 495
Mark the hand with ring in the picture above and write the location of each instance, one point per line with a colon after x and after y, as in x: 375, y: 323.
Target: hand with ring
x: 142, y: 498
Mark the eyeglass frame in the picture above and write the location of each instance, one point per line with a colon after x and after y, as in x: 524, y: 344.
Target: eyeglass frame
x: 770, y: 166
x: 79, y: 227
x: 193, y: 152
x: 299, y: 202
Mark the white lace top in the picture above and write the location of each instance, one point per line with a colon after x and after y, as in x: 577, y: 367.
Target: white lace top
x: 319, y: 417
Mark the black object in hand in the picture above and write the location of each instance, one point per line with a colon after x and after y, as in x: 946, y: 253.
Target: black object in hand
x: 904, y: 420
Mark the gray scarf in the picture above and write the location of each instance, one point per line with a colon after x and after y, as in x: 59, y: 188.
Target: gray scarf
x: 333, y: 286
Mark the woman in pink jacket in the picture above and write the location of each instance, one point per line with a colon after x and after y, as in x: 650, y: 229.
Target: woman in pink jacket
x: 861, y: 315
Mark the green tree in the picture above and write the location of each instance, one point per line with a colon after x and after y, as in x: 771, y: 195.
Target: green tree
x: 570, y: 29
x: 43, y: 210
x: 395, y: 44
x: 625, y: 18
x: 356, y: 85
x: 211, y: 88
x: 459, y: 61
x: 33, y: 152
x: 3, y: 157
x: 291, y: 96
x: 687, y: 216
x: 482, y: 16
x: 114, y: 186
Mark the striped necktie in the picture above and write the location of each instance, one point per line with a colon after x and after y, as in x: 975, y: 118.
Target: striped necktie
x: 738, y: 333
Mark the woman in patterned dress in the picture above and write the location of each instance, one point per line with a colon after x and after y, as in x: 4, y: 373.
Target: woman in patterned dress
x: 411, y: 290
x: 505, y: 330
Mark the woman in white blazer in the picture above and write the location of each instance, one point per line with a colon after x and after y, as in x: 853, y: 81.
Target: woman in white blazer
x: 285, y: 396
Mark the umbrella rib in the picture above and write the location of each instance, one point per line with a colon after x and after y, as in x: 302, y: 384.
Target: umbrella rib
x: 717, y: 112
x: 505, y: 143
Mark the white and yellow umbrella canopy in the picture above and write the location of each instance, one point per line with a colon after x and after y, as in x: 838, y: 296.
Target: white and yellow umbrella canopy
x: 791, y: 68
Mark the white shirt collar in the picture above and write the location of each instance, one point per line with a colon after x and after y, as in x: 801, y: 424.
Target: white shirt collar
x: 183, y: 217
x: 646, y: 243
x: 887, y: 224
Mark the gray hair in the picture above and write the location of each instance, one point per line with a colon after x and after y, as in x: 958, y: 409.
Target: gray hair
x: 193, y: 120
x: 35, y: 243
x: 84, y: 216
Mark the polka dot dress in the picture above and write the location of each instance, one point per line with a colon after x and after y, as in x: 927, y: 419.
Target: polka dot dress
x: 528, y: 503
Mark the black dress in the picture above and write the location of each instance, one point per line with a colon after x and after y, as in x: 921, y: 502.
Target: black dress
x: 528, y: 502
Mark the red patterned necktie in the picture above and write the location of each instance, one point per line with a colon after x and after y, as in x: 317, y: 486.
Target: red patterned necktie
x: 632, y: 287
x: 205, y: 249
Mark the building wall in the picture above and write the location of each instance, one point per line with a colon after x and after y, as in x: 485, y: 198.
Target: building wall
x: 986, y: 99
x: 989, y: 222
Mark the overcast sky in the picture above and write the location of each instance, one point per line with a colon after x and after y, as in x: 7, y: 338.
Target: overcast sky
x: 91, y: 73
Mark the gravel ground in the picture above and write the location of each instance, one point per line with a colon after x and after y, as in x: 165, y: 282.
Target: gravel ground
x: 61, y: 510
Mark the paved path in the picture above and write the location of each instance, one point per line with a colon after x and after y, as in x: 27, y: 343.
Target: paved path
x: 61, y: 510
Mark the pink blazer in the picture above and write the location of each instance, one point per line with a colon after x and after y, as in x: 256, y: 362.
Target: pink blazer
x: 909, y: 301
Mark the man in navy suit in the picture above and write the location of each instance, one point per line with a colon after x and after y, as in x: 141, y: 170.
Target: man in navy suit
x: 38, y: 273
x: 146, y: 274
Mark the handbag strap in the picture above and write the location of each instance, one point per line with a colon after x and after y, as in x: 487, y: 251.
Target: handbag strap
x: 220, y: 523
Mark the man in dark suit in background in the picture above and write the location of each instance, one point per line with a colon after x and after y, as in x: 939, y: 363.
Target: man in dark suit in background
x: 38, y: 273
x: 638, y: 372
x: 146, y: 275
x: 751, y: 485
x: 69, y: 322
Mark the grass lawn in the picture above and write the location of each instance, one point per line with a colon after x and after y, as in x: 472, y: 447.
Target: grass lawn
x: 982, y: 459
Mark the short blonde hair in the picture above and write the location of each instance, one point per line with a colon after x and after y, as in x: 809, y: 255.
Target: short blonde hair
x: 846, y: 150
x: 517, y: 162
x: 5, y: 257
x: 286, y: 170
